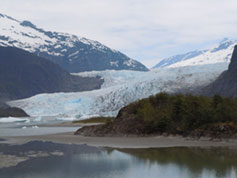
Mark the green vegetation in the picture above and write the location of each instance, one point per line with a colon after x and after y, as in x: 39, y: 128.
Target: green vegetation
x: 186, y: 115
x: 182, y: 114
x: 103, y: 120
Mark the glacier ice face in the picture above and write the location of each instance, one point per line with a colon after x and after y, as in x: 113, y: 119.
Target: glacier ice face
x: 120, y: 88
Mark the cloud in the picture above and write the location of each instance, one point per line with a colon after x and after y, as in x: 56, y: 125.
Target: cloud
x: 144, y: 30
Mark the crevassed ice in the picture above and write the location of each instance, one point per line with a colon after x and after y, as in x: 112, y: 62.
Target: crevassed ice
x: 120, y: 88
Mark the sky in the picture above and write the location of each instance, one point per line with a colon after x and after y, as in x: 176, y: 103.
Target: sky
x: 145, y: 30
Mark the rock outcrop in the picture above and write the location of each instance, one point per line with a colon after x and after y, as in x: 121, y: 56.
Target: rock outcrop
x: 23, y: 74
x: 226, y: 83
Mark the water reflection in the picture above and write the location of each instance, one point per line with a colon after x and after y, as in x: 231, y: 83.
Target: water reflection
x: 192, y: 162
x: 89, y: 162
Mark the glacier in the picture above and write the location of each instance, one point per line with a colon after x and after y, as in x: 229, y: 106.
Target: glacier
x: 119, y: 89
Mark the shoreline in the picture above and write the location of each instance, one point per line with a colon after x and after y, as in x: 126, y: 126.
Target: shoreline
x: 124, y: 142
x: 155, y: 141
x: 68, y: 124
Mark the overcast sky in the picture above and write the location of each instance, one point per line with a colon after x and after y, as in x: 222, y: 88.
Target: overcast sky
x: 146, y: 30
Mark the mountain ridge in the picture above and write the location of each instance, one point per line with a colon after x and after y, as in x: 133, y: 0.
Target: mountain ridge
x: 23, y: 74
x: 219, y: 54
x: 72, y: 53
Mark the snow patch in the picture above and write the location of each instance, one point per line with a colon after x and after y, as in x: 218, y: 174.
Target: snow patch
x: 130, y: 63
x: 114, y: 63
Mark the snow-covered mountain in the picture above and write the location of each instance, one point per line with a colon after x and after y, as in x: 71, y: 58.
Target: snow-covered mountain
x: 219, y: 54
x: 119, y: 89
x: 73, y: 53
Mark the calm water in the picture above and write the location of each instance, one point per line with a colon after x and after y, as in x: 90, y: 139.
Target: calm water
x: 30, y: 129
x: 89, y: 162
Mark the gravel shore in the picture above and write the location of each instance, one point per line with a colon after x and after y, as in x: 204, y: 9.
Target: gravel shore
x: 125, y: 142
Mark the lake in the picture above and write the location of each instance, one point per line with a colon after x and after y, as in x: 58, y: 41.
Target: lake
x: 50, y: 160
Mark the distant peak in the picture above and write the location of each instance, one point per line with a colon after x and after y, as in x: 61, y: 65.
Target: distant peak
x: 26, y: 23
x: 225, y: 40
x: 224, y: 44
